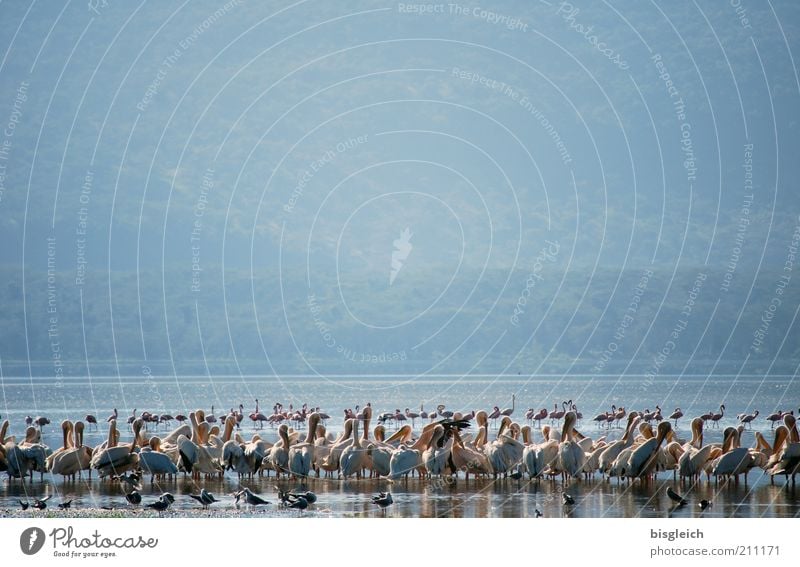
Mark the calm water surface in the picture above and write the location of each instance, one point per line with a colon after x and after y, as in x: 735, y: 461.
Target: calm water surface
x: 73, y: 399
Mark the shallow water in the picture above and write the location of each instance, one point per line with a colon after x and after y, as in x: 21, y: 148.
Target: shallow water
x: 415, y: 498
x: 434, y: 498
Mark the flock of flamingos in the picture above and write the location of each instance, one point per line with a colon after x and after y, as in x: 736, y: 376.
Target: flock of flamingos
x: 446, y: 443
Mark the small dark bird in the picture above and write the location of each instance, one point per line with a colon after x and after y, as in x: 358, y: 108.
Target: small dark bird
x: 384, y: 500
x: 134, y: 497
x: 308, y: 495
x: 537, y: 513
x: 250, y: 497
x: 296, y: 502
x: 677, y: 498
x: 705, y: 504
x: 65, y: 505
x: 205, y: 498
x: 163, y: 502
x: 516, y: 474
x: 131, y: 480
x: 567, y: 499
x: 41, y: 504
x: 159, y: 505
x: 24, y: 505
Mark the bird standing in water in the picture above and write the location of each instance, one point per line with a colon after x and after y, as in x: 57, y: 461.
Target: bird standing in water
x: 675, y: 497
x: 384, y: 500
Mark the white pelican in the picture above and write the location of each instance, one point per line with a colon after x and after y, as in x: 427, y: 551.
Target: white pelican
x: 643, y: 459
x: 436, y: 458
x: 279, y: 454
x: 539, y: 458
x: 301, y: 455
x: 153, y: 461
x: 612, y: 451
x: 735, y: 460
x: 570, y: 454
x: 114, y: 459
x: 352, y: 460
x: 505, y: 452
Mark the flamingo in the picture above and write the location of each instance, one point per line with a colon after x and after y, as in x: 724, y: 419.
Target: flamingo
x: 258, y: 417
x: 422, y: 413
x: 412, y: 416
x: 676, y: 415
x: 774, y: 417
x: 748, y: 418
x: 91, y: 420
x: 715, y: 418
x: 508, y: 411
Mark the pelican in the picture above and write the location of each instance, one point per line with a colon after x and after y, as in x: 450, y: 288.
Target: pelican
x: 301, y: 455
x: 570, y: 454
x: 153, y: 461
x: 613, y: 450
x: 695, y: 456
x: 505, y: 452
x: 643, y: 459
x: 113, y: 459
x: 735, y: 460
x: 538, y: 458
x: 436, y: 457
x: 352, y: 460
x: 279, y: 454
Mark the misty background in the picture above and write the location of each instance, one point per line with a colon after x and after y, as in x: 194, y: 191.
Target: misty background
x: 223, y: 188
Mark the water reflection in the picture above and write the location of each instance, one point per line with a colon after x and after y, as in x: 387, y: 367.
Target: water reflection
x: 461, y: 498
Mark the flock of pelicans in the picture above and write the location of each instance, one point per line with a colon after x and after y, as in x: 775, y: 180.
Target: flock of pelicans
x: 208, y: 446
